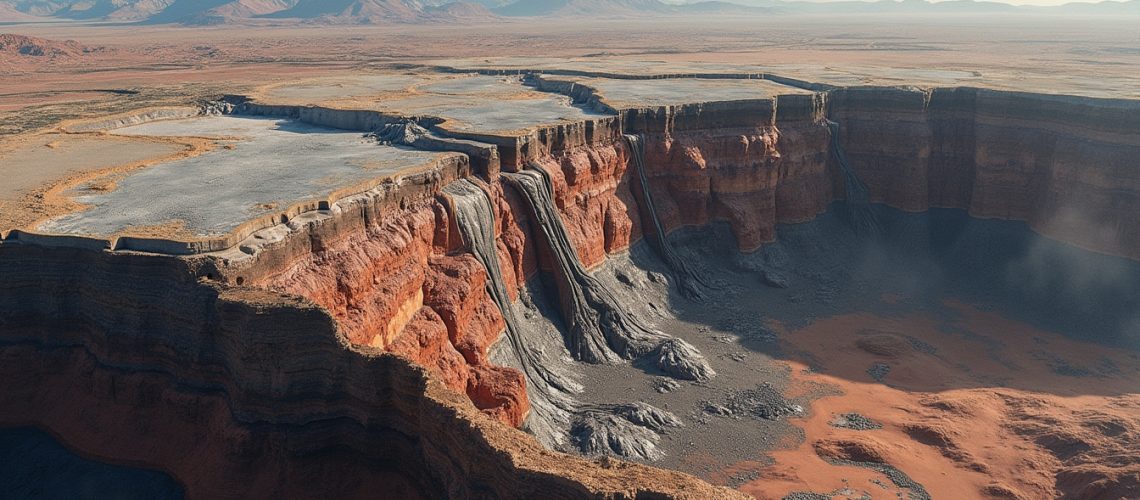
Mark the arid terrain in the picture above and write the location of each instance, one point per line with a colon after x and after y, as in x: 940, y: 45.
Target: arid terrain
x: 491, y: 256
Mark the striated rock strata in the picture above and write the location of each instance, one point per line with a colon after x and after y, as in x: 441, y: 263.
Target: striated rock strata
x: 280, y: 367
x: 1065, y: 165
x: 239, y: 390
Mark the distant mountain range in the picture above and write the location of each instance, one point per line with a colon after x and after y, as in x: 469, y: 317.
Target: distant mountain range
x: 196, y: 12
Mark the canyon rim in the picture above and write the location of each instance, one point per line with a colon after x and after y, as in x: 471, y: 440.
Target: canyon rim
x: 595, y: 250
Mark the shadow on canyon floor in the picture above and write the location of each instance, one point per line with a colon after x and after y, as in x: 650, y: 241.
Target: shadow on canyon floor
x: 940, y: 265
x: 935, y: 306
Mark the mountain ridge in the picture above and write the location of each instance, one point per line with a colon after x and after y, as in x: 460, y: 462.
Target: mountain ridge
x: 197, y: 12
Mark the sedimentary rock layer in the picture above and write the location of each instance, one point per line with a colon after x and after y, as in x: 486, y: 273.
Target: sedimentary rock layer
x: 1066, y: 165
x: 276, y: 356
x: 235, y: 390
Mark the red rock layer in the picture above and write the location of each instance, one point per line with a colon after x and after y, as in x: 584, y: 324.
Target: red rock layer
x: 391, y: 275
x: 402, y: 284
x: 238, y: 392
x: 745, y: 164
x: 752, y: 178
x: 1065, y: 165
x: 394, y: 285
x: 592, y: 192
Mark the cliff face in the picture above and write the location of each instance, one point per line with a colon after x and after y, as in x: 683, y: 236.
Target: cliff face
x: 1065, y: 165
x: 135, y: 359
x: 397, y: 283
x: 276, y: 357
x: 403, y: 283
x: 592, y: 193
x: 753, y: 164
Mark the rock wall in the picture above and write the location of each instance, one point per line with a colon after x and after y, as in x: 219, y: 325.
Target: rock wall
x: 237, y: 391
x: 1065, y: 165
x: 397, y: 282
x: 274, y: 359
x: 753, y: 164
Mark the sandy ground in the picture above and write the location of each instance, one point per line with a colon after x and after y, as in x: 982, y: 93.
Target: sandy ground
x: 961, y: 408
x: 48, y: 157
x: 1051, y: 53
x: 927, y: 392
x: 634, y: 93
x: 40, y: 170
x: 275, y: 165
x: 498, y: 105
x: 1088, y: 56
x: 162, y: 65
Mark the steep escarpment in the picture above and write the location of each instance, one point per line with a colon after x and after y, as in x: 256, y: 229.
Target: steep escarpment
x: 1062, y: 164
x: 753, y: 164
x: 393, y: 280
x: 601, y: 329
x: 276, y: 356
x: 234, y: 389
x: 1065, y: 165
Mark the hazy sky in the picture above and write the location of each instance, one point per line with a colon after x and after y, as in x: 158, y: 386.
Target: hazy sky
x: 1012, y: 2
x: 1042, y: 2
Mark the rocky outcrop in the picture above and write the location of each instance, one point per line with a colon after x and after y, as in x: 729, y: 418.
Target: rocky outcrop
x: 689, y: 279
x: 593, y: 197
x: 389, y: 286
x: 753, y: 164
x: 236, y: 390
x: 744, y: 163
x: 600, y: 329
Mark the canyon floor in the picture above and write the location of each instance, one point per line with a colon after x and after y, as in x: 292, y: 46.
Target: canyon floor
x: 942, y: 356
x: 872, y: 370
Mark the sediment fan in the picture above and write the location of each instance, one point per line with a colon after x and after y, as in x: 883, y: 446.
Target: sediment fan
x: 601, y: 328
x: 557, y: 418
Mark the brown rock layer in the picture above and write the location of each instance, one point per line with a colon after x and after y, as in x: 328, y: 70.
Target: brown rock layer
x: 388, y: 286
x: 133, y: 359
x: 753, y: 164
x: 269, y: 359
x: 1065, y: 165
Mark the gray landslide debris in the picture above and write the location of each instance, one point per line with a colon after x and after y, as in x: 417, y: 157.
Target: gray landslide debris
x: 855, y: 421
x: 860, y: 213
x: 665, y: 385
x: 763, y: 402
x: 680, y: 359
x: 628, y: 430
x: 601, y: 328
x: 548, y: 390
x: 879, y: 371
x: 403, y: 133
x: 689, y: 280
x: 557, y: 418
x: 216, y: 108
x: 915, y: 490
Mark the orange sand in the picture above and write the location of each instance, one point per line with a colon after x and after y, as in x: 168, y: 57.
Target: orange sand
x: 985, y: 416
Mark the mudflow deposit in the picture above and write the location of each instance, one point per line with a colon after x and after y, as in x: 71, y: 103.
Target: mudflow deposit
x: 544, y: 278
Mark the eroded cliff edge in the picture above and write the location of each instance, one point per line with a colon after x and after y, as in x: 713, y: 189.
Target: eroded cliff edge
x: 151, y: 360
x: 287, y: 335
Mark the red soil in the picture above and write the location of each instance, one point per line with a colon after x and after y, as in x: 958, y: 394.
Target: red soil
x: 992, y: 411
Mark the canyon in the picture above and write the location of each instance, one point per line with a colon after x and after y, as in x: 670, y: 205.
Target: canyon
x: 582, y: 280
